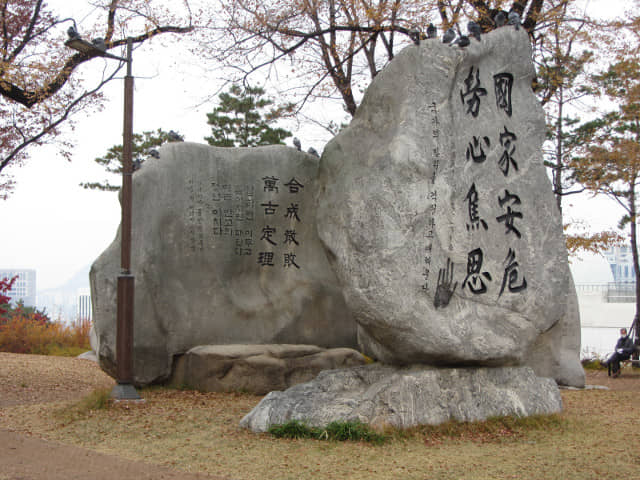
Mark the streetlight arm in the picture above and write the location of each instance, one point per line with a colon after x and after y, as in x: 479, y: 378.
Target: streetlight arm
x: 80, y: 45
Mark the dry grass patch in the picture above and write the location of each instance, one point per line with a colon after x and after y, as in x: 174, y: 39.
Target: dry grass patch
x: 593, y: 437
x: 199, y: 432
x: 40, y: 378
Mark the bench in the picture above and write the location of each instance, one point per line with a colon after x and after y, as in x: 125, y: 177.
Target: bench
x: 623, y: 363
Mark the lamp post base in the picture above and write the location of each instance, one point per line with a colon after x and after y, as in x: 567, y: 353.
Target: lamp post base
x: 125, y: 392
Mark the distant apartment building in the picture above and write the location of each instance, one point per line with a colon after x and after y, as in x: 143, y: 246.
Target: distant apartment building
x: 620, y: 261
x: 24, y: 288
x: 623, y: 288
x: 84, y: 305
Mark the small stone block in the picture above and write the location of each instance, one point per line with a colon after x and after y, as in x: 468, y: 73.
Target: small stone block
x: 125, y: 392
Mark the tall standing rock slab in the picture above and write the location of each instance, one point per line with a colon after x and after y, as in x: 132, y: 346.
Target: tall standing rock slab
x: 225, y: 251
x: 439, y: 219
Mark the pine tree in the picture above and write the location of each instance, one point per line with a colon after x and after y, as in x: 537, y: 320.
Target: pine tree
x: 243, y: 119
x: 112, y: 160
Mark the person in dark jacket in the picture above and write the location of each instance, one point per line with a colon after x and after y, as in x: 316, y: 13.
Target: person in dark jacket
x: 624, y: 349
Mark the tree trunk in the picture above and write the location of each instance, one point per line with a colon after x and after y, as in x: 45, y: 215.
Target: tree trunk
x: 557, y: 178
x: 636, y: 266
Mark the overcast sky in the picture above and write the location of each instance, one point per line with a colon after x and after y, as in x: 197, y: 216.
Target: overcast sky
x: 53, y: 225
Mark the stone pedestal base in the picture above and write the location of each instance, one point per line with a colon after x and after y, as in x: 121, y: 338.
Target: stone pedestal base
x: 257, y: 369
x: 404, y: 397
x: 125, y: 392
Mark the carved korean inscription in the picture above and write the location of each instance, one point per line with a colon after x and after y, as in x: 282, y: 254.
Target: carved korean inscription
x: 432, y: 196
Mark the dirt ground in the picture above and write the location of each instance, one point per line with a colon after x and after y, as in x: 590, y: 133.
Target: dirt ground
x: 628, y: 381
x: 33, y: 379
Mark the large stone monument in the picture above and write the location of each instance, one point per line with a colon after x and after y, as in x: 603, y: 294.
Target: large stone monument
x: 428, y: 229
x: 439, y: 218
x: 225, y: 251
x: 440, y: 223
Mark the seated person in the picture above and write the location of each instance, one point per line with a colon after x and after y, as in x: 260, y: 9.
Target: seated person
x: 624, y: 349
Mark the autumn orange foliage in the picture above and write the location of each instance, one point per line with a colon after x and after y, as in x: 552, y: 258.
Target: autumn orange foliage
x: 21, y: 334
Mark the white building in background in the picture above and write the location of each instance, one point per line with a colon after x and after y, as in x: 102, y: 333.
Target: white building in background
x: 84, y: 304
x: 620, y: 261
x: 605, y: 305
x: 24, y: 288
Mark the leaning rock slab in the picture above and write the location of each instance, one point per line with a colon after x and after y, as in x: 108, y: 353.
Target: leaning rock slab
x: 224, y: 251
x: 439, y: 219
x: 257, y: 369
x: 404, y: 397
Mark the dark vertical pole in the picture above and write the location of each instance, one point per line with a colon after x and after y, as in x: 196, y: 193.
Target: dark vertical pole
x: 124, y: 328
x: 127, y: 167
x: 636, y: 336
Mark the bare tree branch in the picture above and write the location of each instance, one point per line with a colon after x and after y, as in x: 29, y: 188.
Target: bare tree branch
x: 34, y: 139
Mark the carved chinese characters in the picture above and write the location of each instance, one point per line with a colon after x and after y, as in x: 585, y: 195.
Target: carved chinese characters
x: 476, y: 109
x: 285, y: 254
x: 220, y: 213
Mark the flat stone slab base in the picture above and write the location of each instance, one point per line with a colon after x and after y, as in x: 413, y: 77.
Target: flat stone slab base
x: 257, y: 369
x: 404, y: 397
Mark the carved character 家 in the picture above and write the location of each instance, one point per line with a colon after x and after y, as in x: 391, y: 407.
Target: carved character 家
x: 507, y: 140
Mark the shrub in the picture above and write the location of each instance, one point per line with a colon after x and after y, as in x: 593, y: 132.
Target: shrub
x: 354, y: 431
x: 28, y: 334
x: 29, y: 330
x: 5, y: 286
x: 592, y: 364
x: 337, y: 431
x: 292, y: 429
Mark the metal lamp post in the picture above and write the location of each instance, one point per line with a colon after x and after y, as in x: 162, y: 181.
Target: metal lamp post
x: 124, y: 389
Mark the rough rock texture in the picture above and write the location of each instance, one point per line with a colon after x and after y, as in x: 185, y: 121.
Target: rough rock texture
x: 225, y: 251
x: 90, y: 355
x: 405, y: 397
x: 257, y: 369
x: 439, y: 218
